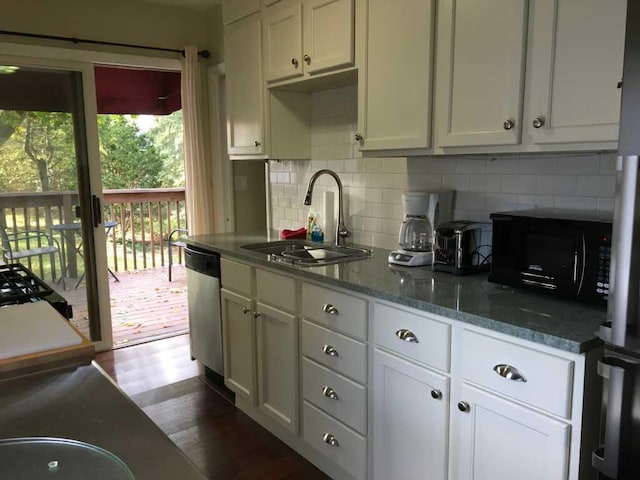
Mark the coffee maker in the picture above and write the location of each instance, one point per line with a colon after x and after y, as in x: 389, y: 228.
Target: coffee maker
x: 423, y: 211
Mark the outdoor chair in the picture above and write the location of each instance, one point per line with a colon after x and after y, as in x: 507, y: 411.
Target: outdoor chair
x: 31, y: 243
x: 179, y: 241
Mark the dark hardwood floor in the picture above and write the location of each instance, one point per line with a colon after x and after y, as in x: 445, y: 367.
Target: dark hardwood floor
x: 218, y: 438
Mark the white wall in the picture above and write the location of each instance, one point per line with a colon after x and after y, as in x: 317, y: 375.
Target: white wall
x: 120, y: 21
x: 373, y: 186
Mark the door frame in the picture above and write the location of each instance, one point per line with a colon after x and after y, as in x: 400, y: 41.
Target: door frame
x: 83, y: 61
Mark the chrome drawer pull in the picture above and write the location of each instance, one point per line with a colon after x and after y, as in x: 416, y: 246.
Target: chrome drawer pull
x: 509, y: 372
x: 330, y: 309
x: 407, y: 335
x: 436, y: 394
x: 245, y: 310
x: 330, y: 439
x: 329, y: 350
x: 329, y: 393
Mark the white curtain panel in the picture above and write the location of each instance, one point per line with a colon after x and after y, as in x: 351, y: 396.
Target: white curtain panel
x: 199, y: 169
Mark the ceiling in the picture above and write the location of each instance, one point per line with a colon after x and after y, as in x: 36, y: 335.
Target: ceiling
x: 195, y: 4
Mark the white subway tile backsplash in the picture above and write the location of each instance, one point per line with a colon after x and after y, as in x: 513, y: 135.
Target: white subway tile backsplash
x: 470, y: 200
x: 471, y: 165
x: 518, y: 184
x: 485, y: 183
x: 537, y: 165
x: 596, y: 185
x: 577, y: 203
x: 503, y: 166
x: 556, y: 184
x: 583, y: 165
x: 373, y: 186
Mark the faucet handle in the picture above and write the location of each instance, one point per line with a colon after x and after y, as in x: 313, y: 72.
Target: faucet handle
x: 343, y: 231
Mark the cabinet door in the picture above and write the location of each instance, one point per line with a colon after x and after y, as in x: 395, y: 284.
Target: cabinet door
x: 480, y: 68
x: 411, y: 420
x: 239, y: 337
x: 283, y: 43
x: 494, y: 438
x: 328, y: 34
x: 245, y: 89
x: 278, y: 365
x: 575, y: 64
x: 396, y: 88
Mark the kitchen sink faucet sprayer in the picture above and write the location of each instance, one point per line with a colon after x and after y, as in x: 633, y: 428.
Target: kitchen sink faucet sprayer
x: 341, y: 230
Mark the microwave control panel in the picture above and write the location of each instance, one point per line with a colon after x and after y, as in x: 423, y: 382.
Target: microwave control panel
x: 604, y: 264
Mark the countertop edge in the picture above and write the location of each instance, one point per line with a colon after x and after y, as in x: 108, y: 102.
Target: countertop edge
x: 529, y: 334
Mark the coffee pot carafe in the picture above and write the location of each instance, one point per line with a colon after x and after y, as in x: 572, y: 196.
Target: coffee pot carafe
x: 422, y: 212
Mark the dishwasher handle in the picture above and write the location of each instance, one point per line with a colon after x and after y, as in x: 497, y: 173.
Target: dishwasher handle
x: 202, y: 261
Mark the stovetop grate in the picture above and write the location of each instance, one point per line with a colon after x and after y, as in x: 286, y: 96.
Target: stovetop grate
x: 18, y: 284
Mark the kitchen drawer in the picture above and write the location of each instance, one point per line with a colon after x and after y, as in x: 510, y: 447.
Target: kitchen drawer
x: 350, y: 356
x: 235, y: 276
x: 344, y: 399
x: 432, y: 338
x: 275, y: 289
x: 549, y: 379
x: 350, y: 449
x: 349, y: 313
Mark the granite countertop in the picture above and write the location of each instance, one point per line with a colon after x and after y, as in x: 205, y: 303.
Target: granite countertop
x: 555, y: 322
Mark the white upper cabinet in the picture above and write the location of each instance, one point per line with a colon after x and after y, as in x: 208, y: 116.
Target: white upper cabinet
x: 480, y: 71
x: 395, y: 77
x: 328, y: 35
x: 575, y: 63
x: 326, y: 44
x: 245, y: 89
x: 233, y: 10
x: 283, y: 43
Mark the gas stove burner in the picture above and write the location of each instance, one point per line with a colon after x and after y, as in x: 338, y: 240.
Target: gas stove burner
x: 18, y: 284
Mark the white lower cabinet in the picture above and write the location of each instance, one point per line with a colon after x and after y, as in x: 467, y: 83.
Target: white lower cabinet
x: 493, y: 438
x: 370, y: 390
x: 239, y: 339
x: 411, y: 420
x: 277, y: 342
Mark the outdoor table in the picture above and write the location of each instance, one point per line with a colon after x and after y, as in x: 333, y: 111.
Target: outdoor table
x: 68, y: 232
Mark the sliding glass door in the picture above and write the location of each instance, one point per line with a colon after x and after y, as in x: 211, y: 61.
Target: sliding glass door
x: 50, y: 184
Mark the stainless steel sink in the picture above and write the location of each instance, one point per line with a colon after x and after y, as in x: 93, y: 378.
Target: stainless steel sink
x: 303, y: 253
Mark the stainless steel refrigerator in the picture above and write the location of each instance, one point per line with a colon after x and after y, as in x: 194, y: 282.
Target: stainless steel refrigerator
x: 619, y: 455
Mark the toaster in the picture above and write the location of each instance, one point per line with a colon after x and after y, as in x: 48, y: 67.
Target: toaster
x: 462, y: 247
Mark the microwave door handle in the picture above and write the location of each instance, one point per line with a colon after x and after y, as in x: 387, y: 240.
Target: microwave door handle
x: 580, y: 257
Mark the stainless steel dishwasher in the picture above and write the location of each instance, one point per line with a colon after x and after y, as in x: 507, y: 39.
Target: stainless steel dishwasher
x: 203, y: 295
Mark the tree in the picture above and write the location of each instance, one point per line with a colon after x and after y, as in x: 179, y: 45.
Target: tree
x: 9, y: 121
x: 39, y: 155
x: 166, y: 135
x: 129, y: 157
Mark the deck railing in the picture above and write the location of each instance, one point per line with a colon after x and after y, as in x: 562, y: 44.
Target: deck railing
x: 144, y: 219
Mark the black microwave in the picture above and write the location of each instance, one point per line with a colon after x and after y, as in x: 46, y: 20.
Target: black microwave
x: 565, y: 253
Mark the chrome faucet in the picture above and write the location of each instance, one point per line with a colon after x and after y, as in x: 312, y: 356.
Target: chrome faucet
x: 341, y: 230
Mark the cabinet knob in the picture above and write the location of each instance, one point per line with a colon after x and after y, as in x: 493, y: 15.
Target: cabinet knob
x: 538, y: 122
x: 329, y: 393
x: 245, y: 310
x: 330, y: 309
x: 508, y: 124
x: 463, y: 406
x: 256, y: 143
x: 256, y: 314
x: 294, y: 62
x: 436, y: 394
x: 330, y: 350
x: 358, y: 137
x: 509, y: 372
x: 330, y: 439
x: 407, y: 335
x: 307, y: 59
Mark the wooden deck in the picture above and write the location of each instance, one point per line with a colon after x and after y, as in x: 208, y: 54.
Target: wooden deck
x: 144, y: 305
